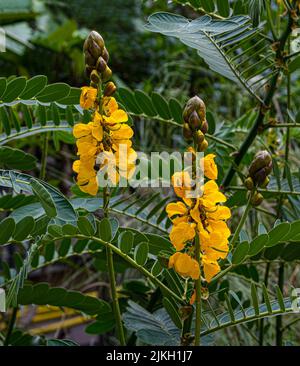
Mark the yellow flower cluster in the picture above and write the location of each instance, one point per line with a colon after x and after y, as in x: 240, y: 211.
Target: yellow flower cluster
x: 106, y: 133
x: 204, y: 217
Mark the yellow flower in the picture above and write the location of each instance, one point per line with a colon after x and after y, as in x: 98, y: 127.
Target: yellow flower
x: 210, y: 268
x: 121, y: 136
x: 112, y: 113
x: 185, y: 265
x: 182, y: 183
x: 210, y: 167
x: 181, y: 233
x: 88, y: 97
x: 86, y: 176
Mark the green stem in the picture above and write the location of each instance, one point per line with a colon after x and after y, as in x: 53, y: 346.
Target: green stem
x: 11, y: 326
x: 241, y: 223
x: 112, y: 278
x: 261, y: 325
x: 279, y: 330
x: 198, y: 295
x: 275, y: 191
x: 44, y: 156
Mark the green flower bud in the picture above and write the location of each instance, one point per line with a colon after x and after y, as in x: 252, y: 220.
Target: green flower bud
x: 257, y: 199
x: 249, y: 183
x: 265, y: 183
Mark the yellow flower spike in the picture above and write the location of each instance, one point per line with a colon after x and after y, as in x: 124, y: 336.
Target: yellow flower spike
x: 210, y: 167
x: 88, y: 97
x: 182, y: 233
x: 185, y: 265
x: 210, y: 268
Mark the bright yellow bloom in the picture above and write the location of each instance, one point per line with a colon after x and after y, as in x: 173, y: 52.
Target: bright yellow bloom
x: 86, y: 176
x: 181, y: 233
x: 88, y: 97
x: 112, y: 113
x: 210, y: 268
x: 210, y: 167
x: 185, y: 265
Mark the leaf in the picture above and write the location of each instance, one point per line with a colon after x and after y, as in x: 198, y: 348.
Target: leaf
x: 173, y: 313
x: 127, y: 98
x: 153, y: 329
x: 16, y: 159
x: 294, y: 65
x: 23, y: 228
x: 105, y: 230
x: 14, y: 89
x: 176, y: 110
x: 161, y: 106
x: 145, y: 103
x: 213, y: 40
x: 34, y: 86
x: 258, y: 244
x: 7, y: 227
x: 44, y: 197
x: 240, y: 252
x: 72, y: 99
x: 5, y: 120
x: 85, y: 226
x: 141, y: 253
x: 223, y: 7
x: 53, y: 92
x: 125, y: 241
x: 278, y: 233
x: 104, y: 323
x: 2, y: 86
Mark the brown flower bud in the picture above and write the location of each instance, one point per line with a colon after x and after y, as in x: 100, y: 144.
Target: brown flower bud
x: 187, y: 132
x: 89, y: 59
x: 107, y: 73
x: 203, y: 146
x: 199, y: 136
x: 105, y: 55
x: 260, y: 167
x: 109, y: 89
x: 204, y: 127
x: 94, y: 44
x: 88, y: 70
x: 101, y: 65
x: 194, y: 121
x: 265, y: 183
x: 257, y: 199
x: 249, y: 183
x: 95, y: 77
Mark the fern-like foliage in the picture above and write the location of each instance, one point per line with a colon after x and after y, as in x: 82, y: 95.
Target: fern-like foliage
x: 231, y: 47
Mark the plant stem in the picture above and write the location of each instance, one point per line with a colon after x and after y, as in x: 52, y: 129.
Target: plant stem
x: 241, y: 222
x: 44, y: 156
x: 198, y: 295
x: 261, y: 325
x: 112, y: 278
x: 279, y: 331
x: 11, y: 326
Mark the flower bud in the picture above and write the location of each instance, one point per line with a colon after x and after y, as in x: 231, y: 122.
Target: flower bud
x: 89, y: 59
x: 199, y: 136
x: 249, y: 183
x: 88, y: 70
x: 260, y: 167
x: 105, y: 55
x: 107, y: 73
x: 187, y: 132
x: 95, y: 77
x: 109, y: 89
x: 101, y: 65
x: 194, y: 121
x: 257, y: 199
x: 203, y: 146
x: 204, y: 127
x: 94, y: 44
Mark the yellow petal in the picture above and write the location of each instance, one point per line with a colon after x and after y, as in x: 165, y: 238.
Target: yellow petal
x: 118, y: 116
x: 210, y: 167
x: 81, y: 130
x: 182, y: 233
x: 210, y: 268
x: 176, y: 208
x: 88, y: 97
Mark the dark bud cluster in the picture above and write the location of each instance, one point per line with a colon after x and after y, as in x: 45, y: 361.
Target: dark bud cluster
x: 195, y: 125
